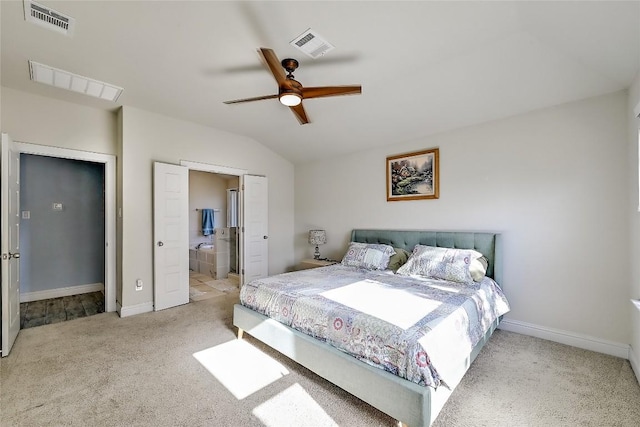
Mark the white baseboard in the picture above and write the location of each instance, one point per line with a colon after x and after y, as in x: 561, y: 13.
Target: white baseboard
x: 569, y: 338
x: 132, y: 310
x: 61, y: 292
x: 634, y: 359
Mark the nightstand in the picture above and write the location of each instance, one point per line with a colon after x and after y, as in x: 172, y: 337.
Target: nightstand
x: 314, y: 263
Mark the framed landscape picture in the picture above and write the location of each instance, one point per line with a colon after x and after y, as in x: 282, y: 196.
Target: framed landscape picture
x: 413, y: 176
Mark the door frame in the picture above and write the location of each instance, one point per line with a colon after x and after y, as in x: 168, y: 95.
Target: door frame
x: 109, y: 162
x: 226, y: 170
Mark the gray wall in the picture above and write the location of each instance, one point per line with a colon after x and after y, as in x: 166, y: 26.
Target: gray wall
x: 61, y: 248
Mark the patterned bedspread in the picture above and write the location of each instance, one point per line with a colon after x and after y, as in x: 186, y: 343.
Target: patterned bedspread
x: 418, y: 329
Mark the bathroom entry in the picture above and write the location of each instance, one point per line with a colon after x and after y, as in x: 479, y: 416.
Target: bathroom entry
x: 170, y: 267
x: 213, y: 236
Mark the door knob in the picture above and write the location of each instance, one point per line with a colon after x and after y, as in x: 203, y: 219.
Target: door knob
x: 16, y: 255
x: 160, y: 244
x: 265, y: 237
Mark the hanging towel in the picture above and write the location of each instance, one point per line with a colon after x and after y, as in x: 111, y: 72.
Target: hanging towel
x: 207, y: 222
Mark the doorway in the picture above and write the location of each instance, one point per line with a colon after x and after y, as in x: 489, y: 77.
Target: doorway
x: 62, y: 239
x: 10, y: 306
x: 171, y: 229
x: 213, y: 234
x: 109, y: 199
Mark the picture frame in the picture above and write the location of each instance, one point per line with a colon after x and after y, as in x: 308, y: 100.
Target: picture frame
x: 413, y: 176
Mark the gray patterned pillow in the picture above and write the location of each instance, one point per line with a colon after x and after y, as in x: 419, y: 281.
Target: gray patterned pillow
x: 440, y: 263
x: 368, y: 255
x: 478, y: 268
x: 398, y: 259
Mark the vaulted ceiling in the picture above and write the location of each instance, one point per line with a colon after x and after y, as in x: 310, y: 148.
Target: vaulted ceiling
x: 425, y: 67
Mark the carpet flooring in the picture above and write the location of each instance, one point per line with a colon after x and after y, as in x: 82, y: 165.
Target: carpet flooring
x: 184, y: 367
x: 54, y: 310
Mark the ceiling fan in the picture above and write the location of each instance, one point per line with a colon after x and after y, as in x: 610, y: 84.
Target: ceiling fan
x: 291, y: 92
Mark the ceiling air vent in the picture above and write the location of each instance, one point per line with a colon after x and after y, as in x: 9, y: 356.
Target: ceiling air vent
x: 65, y: 80
x: 48, y: 18
x: 312, y: 44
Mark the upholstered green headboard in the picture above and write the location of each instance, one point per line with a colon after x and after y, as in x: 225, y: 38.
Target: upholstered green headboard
x: 488, y: 244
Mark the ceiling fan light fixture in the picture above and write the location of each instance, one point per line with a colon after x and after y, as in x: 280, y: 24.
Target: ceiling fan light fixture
x: 290, y: 99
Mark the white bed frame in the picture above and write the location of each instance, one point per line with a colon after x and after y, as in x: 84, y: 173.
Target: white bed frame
x: 409, y: 403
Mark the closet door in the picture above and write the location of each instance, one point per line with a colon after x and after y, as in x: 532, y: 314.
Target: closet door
x: 10, y: 236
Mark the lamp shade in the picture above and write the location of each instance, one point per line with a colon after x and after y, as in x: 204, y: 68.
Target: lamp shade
x: 317, y: 237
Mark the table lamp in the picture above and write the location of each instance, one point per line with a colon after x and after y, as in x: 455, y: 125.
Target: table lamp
x: 317, y: 237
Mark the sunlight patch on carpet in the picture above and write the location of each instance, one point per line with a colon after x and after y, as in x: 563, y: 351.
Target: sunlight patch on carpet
x: 293, y: 407
x: 240, y: 367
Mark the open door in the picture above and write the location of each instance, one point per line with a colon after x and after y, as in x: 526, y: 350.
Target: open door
x: 171, y: 235
x: 10, y: 236
x: 255, y: 225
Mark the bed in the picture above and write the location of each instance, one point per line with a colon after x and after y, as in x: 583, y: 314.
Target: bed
x: 413, y: 396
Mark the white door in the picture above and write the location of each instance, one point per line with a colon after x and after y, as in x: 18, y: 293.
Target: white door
x: 171, y: 235
x: 10, y: 236
x: 255, y: 226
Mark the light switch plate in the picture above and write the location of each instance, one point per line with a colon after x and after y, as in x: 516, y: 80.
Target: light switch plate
x: 57, y: 206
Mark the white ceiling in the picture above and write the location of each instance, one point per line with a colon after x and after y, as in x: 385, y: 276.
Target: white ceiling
x: 425, y: 67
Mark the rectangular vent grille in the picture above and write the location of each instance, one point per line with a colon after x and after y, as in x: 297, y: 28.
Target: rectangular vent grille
x: 48, y: 18
x: 65, y: 80
x: 311, y: 43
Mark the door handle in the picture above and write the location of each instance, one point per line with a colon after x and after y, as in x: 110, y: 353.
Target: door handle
x: 265, y: 237
x: 160, y: 244
x: 16, y: 255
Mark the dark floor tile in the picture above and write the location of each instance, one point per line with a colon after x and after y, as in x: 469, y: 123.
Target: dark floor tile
x: 55, y: 311
x: 23, y: 310
x: 35, y: 310
x: 93, y: 303
x: 38, y: 321
x: 73, y: 307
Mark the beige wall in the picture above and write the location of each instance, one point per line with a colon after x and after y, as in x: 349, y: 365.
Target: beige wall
x: 550, y: 180
x: 149, y: 137
x: 139, y: 138
x: 554, y: 182
x: 634, y: 209
x: 45, y: 121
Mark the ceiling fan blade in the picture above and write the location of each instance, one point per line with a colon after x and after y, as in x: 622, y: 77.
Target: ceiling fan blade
x: 323, y: 91
x: 274, y: 64
x: 300, y: 114
x: 257, y: 98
